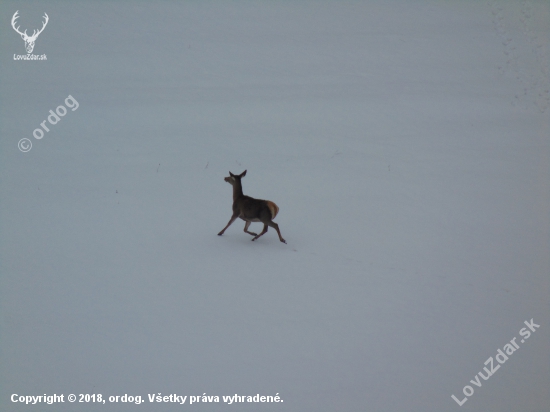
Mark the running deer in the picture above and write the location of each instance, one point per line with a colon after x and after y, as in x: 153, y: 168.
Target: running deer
x: 250, y: 209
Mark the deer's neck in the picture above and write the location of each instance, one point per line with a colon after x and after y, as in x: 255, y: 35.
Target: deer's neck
x: 237, y: 190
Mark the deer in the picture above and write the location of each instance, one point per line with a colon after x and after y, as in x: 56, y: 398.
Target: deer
x: 29, y: 40
x: 250, y: 209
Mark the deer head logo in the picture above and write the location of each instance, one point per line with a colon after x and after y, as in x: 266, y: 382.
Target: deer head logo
x: 29, y: 40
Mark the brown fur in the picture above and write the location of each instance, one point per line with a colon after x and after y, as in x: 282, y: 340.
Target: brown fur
x: 251, y: 210
x: 273, y: 208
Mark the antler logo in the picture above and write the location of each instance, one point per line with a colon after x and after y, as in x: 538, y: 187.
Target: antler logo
x: 29, y: 40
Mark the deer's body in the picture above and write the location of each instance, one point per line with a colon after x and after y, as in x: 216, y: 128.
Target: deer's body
x: 251, y: 210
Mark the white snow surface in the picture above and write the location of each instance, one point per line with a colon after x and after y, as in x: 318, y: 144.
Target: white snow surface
x: 405, y: 142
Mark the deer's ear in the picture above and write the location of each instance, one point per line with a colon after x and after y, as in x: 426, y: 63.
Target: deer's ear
x: 243, y: 174
x: 231, y: 174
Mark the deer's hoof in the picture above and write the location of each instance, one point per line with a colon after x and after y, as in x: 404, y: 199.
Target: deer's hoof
x: 219, y: 234
x: 284, y: 241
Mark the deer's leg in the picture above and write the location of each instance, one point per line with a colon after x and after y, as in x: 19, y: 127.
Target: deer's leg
x: 246, y: 229
x: 229, y: 224
x: 263, y: 231
x: 276, y: 227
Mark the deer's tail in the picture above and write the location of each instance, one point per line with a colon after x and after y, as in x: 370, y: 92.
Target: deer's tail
x: 273, y: 208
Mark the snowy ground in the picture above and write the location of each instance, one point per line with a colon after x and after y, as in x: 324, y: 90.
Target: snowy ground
x: 405, y: 142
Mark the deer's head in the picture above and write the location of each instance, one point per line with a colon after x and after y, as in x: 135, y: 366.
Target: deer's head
x: 232, y: 179
x: 29, y: 40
